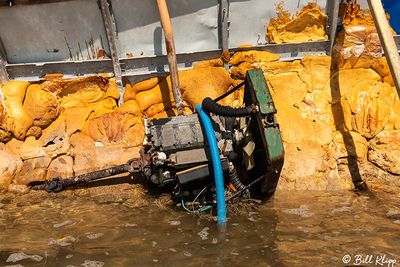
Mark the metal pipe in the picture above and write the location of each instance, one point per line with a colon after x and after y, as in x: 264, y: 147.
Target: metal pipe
x: 387, y: 40
x: 170, y: 45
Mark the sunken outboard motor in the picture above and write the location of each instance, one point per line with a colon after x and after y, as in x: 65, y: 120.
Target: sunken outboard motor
x: 249, y: 144
x: 243, y: 145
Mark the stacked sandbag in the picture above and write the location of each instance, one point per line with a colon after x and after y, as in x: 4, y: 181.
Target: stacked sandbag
x: 39, y: 120
x: 17, y: 120
x: 357, y: 45
x: 155, y: 99
x: 243, y: 61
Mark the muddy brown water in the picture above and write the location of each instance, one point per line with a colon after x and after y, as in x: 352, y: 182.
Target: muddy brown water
x: 295, y: 229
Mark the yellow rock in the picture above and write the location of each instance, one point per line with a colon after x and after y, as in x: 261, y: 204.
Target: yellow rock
x: 157, y: 95
x: 287, y: 89
x: 61, y: 167
x: 381, y: 66
x: 130, y: 106
x: 252, y: 56
x: 113, y: 128
x: 9, y: 165
x: 297, y: 129
x: 240, y: 71
x: 309, y: 24
x: 394, y: 119
x: 367, y: 109
x: 32, y: 170
x: 279, y: 67
x: 89, y: 157
x: 81, y: 91
x: 384, y: 151
x: 349, y: 144
x: 132, y: 90
x: 5, y: 132
x: 316, y: 71
x: 18, y: 121
x: 41, y: 105
x: 217, y: 62
x: 195, y: 85
x: 34, y: 131
x: 345, y: 81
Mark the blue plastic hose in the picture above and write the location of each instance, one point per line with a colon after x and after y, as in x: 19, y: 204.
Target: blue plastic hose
x: 216, y: 163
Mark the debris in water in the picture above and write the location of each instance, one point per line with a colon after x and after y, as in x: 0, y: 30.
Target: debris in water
x: 57, y: 225
x: 90, y: 235
x: 187, y: 254
x: 89, y: 263
x: 19, y: 256
x: 174, y: 223
x: 397, y: 222
x: 131, y: 225
x: 302, y: 211
x: 63, y: 241
x: 204, y: 233
x: 172, y: 250
x: 393, y: 214
x: 341, y: 210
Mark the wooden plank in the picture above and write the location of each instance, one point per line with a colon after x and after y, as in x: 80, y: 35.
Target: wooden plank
x: 387, y: 40
x: 171, y: 53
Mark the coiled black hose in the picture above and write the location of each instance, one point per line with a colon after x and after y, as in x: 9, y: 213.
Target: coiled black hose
x: 210, y: 105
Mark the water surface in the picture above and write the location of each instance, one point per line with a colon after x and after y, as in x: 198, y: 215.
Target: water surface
x: 295, y: 229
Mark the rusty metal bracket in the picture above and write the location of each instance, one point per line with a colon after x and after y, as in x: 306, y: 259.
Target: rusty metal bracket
x: 3, y: 63
x: 333, y: 19
x: 223, y: 26
x: 111, y: 31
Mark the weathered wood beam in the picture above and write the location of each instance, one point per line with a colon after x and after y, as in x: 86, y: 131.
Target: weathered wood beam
x: 387, y: 40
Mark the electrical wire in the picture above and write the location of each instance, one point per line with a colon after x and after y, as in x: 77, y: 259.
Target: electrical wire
x: 198, y: 196
x: 195, y: 211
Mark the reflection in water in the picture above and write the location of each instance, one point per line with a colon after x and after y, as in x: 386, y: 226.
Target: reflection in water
x: 295, y: 229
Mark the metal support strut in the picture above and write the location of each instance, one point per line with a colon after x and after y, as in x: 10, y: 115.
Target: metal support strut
x: 111, y: 31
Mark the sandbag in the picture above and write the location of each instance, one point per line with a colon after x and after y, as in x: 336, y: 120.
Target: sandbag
x: 253, y: 56
x: 18, y: 121
x: 41, y: 105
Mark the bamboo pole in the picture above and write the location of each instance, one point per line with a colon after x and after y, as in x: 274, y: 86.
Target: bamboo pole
x: 172, y: 63
x: 387, y: 40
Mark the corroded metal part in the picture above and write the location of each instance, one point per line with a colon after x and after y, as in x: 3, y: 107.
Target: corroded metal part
x: 58, y: 184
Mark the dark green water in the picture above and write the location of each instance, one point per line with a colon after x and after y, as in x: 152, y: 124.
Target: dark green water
x: 296, y: 229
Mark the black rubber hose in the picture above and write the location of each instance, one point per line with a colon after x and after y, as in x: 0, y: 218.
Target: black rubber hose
x: 235, y: 180
x: 210, y: 105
